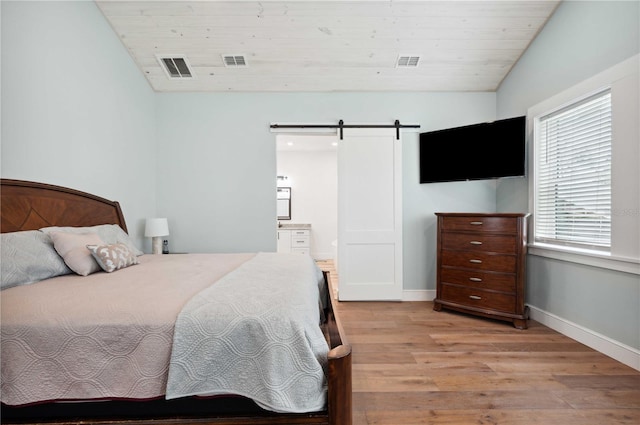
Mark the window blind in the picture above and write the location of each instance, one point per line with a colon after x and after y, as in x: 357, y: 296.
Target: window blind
x: 573, y: 175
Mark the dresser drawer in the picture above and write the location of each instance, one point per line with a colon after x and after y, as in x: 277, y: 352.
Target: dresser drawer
x: 480, y: 224
x: 479, y: 280
x: 299, y: 241
x: 478, y: 298
x: 295, y: 233
x: 479, y: 261
x: 479, y: 242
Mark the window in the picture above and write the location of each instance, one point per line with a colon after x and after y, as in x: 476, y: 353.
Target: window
x: 572, y: 160
x: 584, y: 184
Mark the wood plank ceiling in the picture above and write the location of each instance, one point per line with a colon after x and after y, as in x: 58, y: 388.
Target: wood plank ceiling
x: 311, y: 46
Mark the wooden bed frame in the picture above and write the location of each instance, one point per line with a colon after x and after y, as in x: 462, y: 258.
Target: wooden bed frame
x: 28, y: 205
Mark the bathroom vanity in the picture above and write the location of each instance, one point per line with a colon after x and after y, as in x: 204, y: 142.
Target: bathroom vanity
x: 294, y: 238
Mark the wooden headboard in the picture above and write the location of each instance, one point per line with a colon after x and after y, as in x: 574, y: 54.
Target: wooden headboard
x: 26, y: 205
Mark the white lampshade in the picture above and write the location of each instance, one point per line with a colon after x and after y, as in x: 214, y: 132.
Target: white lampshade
x: 156, y: 227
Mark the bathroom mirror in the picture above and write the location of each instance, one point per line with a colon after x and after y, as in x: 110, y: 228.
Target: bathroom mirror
x: 284, y: 203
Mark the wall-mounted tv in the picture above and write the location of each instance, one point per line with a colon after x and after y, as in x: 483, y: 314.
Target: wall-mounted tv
x: 474, y: 152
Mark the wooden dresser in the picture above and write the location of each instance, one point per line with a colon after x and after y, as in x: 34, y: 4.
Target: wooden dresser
x: 481, y: 265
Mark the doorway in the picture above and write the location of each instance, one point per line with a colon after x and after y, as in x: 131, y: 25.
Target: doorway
x: 365, y: 209
x: 307, y: 164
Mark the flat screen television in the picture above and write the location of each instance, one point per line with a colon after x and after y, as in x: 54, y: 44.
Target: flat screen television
x: 474, y: 152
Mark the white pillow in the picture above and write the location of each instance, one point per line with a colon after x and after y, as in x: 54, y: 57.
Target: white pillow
x: 109, y: 233
x: 72, y: 247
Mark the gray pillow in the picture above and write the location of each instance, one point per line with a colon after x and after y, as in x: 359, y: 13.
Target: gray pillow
x: 28, y: 257
x: 109, y: 233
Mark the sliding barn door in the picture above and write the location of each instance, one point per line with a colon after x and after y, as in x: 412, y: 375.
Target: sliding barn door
x: 370, y: 215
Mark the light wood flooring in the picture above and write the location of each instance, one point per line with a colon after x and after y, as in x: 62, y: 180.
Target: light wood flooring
x: 412, y: 365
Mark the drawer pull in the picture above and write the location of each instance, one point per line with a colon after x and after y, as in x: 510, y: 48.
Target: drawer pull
x: 475, y: 243
x: 475, y: 223
x: 475, y: 297
x: 475, y: 279
x: 476, y: 261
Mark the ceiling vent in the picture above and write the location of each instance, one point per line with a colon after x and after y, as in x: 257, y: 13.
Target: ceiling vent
x: 407, y: 61
x: 234, y: 61
x: 175, y: 66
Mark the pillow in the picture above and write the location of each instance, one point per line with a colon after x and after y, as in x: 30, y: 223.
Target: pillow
x: 109, y: 233
x: 113, y: 257
x: 72, y: 247
x: 28, y: 257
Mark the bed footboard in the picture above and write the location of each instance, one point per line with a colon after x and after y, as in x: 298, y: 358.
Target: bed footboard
x: 339, y: 397
x: 340, y: 384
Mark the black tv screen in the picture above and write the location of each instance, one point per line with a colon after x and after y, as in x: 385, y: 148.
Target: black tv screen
x: 474, y: 152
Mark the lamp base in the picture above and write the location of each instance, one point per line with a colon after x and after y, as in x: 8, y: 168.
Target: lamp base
x: 156, y: 245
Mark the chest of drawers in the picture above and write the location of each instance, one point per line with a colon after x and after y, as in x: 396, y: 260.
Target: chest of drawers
x: 300, y: 241
x: 481, y: 265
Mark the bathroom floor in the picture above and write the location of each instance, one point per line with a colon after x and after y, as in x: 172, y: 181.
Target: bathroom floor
x: 327, y: 265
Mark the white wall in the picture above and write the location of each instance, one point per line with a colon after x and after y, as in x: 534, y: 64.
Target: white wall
x: 76, y: 111
x: 313, y: 178
x: 582, y: 39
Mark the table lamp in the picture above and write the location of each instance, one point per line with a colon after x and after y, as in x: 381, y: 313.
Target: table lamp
x: 155, y: 228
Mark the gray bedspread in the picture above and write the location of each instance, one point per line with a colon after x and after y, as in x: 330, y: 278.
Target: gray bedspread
x: 255, y: 333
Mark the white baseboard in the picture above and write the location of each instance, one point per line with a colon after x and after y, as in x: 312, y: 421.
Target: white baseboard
x: 322, y: 255
x: 418, y: 294
x: 614, y: 349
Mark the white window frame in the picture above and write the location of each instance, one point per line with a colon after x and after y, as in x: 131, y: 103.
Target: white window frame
x: 624, y: 256
x: 573, y: 237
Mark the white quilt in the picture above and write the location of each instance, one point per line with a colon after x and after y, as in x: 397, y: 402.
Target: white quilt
x: 255, y: 333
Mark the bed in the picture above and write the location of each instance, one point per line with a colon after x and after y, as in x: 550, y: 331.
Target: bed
x: 231, y: 338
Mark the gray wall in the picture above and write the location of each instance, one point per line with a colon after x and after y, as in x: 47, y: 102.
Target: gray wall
x: 218, y: 157
x: 580, y: 40
x: 76, y: 111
